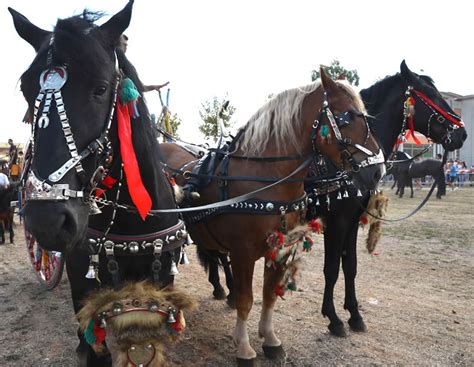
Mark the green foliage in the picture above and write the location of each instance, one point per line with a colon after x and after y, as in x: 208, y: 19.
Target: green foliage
x: 175, y: 122
x: 209, y: 112
x: 336, y: 71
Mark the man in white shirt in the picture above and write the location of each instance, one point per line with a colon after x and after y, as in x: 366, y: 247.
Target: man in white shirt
x: 4, y: 181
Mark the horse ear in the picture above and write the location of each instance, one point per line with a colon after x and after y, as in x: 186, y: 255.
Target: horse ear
x: 406, y: 73
x: 116, y: 25
x: 327, y: 83
x: 32, y: 34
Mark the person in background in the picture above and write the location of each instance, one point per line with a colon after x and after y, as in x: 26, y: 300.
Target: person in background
x: 123, y: 45
x: 4, y: 181
x: 453, y: 175
x: 462, y: 173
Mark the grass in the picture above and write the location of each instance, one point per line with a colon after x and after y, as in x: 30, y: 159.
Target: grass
x: 449, y: 220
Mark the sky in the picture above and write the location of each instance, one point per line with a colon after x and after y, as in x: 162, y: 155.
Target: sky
x: 248, y: 49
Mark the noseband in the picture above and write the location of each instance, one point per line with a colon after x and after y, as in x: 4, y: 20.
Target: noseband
x: 338, y: 122
x: 449, y: 120
x: 52, y: 81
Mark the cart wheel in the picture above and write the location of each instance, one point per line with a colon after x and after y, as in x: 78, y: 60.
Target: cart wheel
x: 47, y: 265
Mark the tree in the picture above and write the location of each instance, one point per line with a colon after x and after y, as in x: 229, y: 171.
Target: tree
x: 209, y: 113
x: 336, y: 71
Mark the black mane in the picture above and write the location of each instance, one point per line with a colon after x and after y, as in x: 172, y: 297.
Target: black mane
x: 375, y: 94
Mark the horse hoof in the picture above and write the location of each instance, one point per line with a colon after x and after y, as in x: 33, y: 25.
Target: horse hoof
x: 274, y: 352
x: 241, y: 362
x: 219, y: 293
x: 231, y: 301
x: 338, y: 330
x: 357, y: 325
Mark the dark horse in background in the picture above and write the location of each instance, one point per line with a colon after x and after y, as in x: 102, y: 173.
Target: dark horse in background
x: 7, y: 211
x: 384, y: 101
x: 404, y: 172
x: 57, y: 210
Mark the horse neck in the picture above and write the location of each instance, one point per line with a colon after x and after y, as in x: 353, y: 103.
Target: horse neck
x: 384, y: 101
x: 147, y: 154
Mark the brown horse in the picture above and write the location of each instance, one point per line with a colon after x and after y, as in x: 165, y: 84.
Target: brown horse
x: 290, y: 124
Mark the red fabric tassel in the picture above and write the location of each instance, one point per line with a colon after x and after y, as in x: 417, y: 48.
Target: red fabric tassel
x: 363, y: 220
x: 411, y: 127
x: 99, y: 333
x: 138, y: 192
x: 315, y: 225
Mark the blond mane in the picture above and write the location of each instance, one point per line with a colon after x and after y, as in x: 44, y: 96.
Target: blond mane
x: 280, y: 120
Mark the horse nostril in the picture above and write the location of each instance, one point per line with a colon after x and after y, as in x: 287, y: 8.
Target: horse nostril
x: 377, y: 176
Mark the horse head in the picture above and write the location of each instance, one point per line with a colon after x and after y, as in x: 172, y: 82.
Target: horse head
x: 343, y: 134
x: 431, y: 114
x: 70, y: 88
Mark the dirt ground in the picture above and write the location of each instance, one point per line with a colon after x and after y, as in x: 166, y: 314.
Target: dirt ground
x: 416, y: 297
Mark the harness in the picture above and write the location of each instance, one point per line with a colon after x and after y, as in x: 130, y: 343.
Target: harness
x: 50, y: 189
x: 203, y: 173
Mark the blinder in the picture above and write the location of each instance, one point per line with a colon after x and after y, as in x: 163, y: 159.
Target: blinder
x: 340, y: 121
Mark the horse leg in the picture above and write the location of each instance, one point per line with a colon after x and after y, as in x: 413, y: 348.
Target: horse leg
x: 10, y: 228
x: 333, y: 241
x: 77, y: 262
x: 219, y: 292
x: 229, y: 279
x: 349, y: 266
x: 2, y: 229
x: 410, y: 183
x: 243, y: 268
x: 272, y: 347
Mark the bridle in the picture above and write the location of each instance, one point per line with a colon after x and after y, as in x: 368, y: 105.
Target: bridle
x: 450, y: 121
x: 337, y: 122
x: 37, y: 188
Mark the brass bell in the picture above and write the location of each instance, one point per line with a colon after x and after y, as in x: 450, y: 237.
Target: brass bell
x: 184, y: 258
x: 339, y: 196
x: 174, y: 268
x: 317, y: 202
x: 346, y: 194
x: 359, y: 194
x: 194, y: 195
x: 189, y: 240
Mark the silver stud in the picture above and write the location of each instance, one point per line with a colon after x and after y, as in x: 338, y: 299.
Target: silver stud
x: 269, y: 207
x: 134, y: 247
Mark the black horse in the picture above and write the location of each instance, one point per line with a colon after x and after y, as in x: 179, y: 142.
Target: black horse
x: 341, y: 204
x: 7, y: 195
x: 83, y: 147
x: 386, y: 101
x: 404, y: 172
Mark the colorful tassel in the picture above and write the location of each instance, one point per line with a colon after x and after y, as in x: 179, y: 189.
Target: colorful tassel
x: 315, y: 225
x: 89, y: 333
x: 307, y: 244
x: 363, y: 220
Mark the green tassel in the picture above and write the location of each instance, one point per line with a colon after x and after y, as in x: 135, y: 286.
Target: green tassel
x: 128, y: 91
x: 89, y: 333
x: 324, y: 131
x: 307, y: 245
x: 291, y: 286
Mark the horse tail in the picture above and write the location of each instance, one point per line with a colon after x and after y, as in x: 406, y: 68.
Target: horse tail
x: 205, y: 257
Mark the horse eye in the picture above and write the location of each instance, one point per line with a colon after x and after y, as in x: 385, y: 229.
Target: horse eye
x: 100, y: 90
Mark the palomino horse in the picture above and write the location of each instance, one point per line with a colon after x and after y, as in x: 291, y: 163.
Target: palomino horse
x: 387, y: 101
x: 297, y: 123
x: 85, y: 152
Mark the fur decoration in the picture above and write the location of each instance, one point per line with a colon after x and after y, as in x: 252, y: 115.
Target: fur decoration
x: 135, y: 327
x: 283, y: 251
x: 377, y: 206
